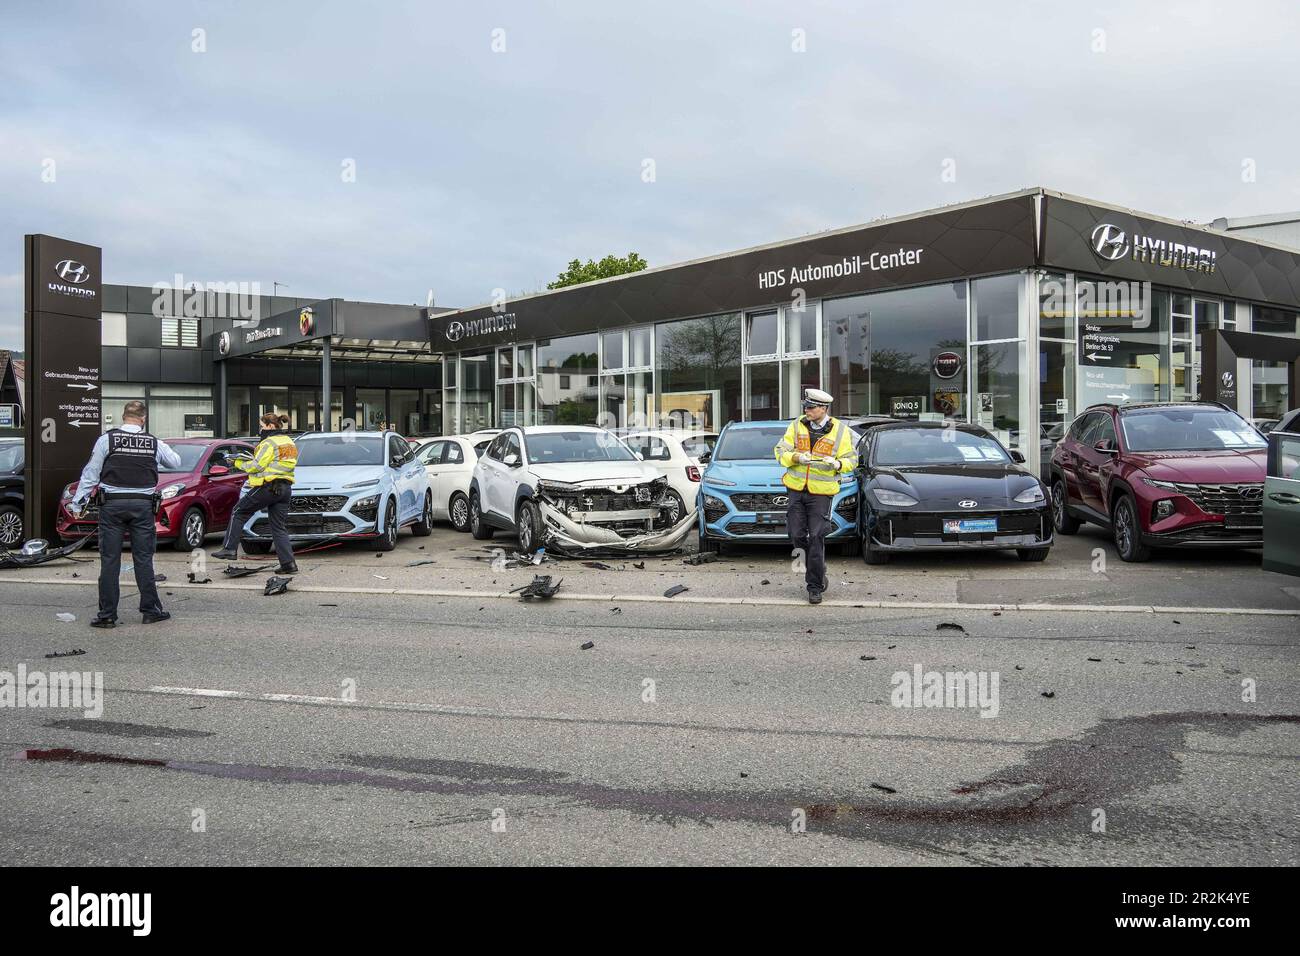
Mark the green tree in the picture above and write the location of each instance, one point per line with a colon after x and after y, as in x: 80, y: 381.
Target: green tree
x: 578, y: 272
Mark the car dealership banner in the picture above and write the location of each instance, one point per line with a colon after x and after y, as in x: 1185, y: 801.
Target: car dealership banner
x: 294, y: 327
x: 965, y: 240
x: 61, y: 322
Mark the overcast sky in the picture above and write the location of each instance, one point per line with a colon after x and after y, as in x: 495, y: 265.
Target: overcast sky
x: 477, y: 169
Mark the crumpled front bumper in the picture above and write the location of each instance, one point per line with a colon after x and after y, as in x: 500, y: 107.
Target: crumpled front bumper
x: 564, y: 534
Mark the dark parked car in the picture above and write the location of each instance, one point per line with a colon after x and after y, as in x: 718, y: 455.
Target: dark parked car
x: 1282, y: 497
x: 12, y: 485
x: 1162, y: 475
x: 947, y: 486
x: 197, y: 497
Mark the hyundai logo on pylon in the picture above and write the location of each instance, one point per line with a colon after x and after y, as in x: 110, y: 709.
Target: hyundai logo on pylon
x: 70, y: 270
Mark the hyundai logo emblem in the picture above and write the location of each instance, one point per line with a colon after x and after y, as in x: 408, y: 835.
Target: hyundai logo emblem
x: 1109, y: 242
x: 780, y: 500
x: 455, y: 330
x: 967, y: 503
x: 1252, y: 494
x: 70, y: 270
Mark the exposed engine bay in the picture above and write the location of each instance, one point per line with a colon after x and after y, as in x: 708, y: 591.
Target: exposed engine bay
x: 597, y: 515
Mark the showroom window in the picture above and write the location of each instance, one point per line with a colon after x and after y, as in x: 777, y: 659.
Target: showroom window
x: 1057, y: 297
x: 698, y: 362
x: 112, y: 328
x: 627, y: 378
x: 180, y: 333
x: 476, y: 391
x: 782, y: 358
x: 997, y: 357
x: 516, y: 386
x: 567, y: 380
x: 1270, y: 393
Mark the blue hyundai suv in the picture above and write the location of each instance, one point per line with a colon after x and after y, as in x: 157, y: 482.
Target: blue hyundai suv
x: 741, y: 497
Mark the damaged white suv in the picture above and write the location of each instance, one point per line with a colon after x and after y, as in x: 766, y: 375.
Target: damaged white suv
x: 573, y: 488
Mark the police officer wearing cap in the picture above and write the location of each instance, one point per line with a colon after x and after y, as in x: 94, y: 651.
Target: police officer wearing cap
x: 124, y: 464
x: 815, y: 450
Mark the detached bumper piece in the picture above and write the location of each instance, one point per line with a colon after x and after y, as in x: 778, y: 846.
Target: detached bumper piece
x: 616, y: 519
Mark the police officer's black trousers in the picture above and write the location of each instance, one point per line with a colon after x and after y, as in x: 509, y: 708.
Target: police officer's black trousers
x: 808, y: 521
x: 273, y: 497
x: 119, y: 518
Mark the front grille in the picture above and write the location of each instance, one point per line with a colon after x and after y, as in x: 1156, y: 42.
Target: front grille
x: 1246, y: 498
x: 317, y: 503
x: 848, y: 507
x: 760, y: 502
x: 753, y: 527
x: 714, y: 514
x: 930, y: 525
x: 305, y: 524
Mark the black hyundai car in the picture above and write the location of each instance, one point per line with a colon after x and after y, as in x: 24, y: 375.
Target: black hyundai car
x: 11, y: 492
x: 947, y: 486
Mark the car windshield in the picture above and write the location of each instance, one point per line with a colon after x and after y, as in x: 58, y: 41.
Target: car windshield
x: 341, y: 449
x: 936, y: 446
x: 1188, y: 429
x: 11, y: 455
x: 190, y: 455
x: 749, y: 444
x: 556, y: 447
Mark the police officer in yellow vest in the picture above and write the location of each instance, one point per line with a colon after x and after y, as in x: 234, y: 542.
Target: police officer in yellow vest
x: 270, y: 483
x: 815, y: 450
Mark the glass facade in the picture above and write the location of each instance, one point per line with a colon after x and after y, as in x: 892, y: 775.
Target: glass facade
x: 698, y: 363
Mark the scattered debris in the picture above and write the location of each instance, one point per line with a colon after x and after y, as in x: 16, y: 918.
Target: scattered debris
x: 949, y: 626
x: 675, y: 590
x: 881, y: 787
x: 380, y: 576
x: 539, y: 587
x: 1095, y: 660
x: 997, y: 613
x: 379, y: 554
x: 238, y: 571
x: 765, y: 581
x: 276, y: 585
x: 327, y: 605
x: 864, y: 657
x: 416, y: 564
x: 1049, y: 694
x: 639, y: 565
x: 616, y: 610
x: 701, y: 557
x: 75, y: 574
x: 598, y: 565
x: 76, y: 651
x: 195, y: 579
x: 159, y: 578
x: 891, y: 647
x: 65, y: 617
x: 589, y: 645
x: 1019, y: 668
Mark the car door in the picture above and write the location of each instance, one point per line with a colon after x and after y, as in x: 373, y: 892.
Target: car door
x: 457, y: 466
x: 431, y: 457
x: 1091, y: 461
x: 221, y: 491
x: 1069, y: 457
x: 415, y: 481
x: 490, y: 475
x: 511, y: 472
x: 1282, y: 502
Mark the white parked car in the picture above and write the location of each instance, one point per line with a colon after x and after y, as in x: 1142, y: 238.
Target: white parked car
x: 679, y: 454
x: 449, y: 463
x: 576, y: 488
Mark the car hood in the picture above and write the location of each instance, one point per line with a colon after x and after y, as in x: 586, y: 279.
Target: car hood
x: 746, y: 475
x: 597, y: 474
x: 992, y: 486
x: 334, y: 477
x: 1202, y: 467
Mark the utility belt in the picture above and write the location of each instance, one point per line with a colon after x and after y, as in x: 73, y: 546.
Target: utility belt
x: 102, y: 496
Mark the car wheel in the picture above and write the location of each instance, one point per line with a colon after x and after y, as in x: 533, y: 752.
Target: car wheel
x: 1032, y: 554
x: 1062, y: 520
x: 710, y: 545
x: 676, y: 508
x: 194, y: 529
x: 851, y: 547
x: 11, y: 527
x: 478, y: 528
x: 257, y: 547
x: 388, y: 541
x: 528, y: 527
x: 1128, y: 532
x: 424, y: 527
x: 871, y: 555
x: 458, y: 512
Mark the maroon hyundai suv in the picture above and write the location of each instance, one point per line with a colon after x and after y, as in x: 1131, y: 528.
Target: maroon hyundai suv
x: 1161, y: 475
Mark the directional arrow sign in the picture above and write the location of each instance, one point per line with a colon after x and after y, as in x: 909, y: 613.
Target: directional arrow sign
x: 78, y: 422
x: 87, y: 386
x: 1097, y: 356
x: 1122, y: 398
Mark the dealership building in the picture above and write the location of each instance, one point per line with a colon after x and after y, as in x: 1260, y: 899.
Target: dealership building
x: 1014, y: 312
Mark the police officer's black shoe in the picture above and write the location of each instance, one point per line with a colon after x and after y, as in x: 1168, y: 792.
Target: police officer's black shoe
x: 104, y: 622
x: 814, y: 596
x: 152, y: 617
x: 226, y: 555
x: 290, y: 568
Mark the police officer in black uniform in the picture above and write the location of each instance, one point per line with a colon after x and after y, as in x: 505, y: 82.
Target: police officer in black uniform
x: 124, y: 466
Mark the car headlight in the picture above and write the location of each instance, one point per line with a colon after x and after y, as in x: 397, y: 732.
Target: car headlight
x: 719, y: 481
x: 1166, y: 485
x: 361, y: 484
x: 1031, y: 495
x: 552, y: 485
x: 362, y: 503
x: 893, y: 499
x: 714, y: 503
x: 171, y: 491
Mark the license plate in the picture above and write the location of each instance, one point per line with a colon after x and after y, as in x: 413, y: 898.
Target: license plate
x: 1233, y: 522
x: 969, y: 525
x: 770, y: 518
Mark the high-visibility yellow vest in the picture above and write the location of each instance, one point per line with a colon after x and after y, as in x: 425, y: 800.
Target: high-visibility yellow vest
x: 276, y: 458
x: 816, y: 479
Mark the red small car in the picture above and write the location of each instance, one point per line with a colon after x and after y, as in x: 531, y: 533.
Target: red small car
x: 1162, y: 475
x: 197, y: 497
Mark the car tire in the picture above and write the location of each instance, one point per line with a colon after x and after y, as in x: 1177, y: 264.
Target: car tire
x: 678, y: 503
x: 710, y: 545
x: 1032, y: 554
x: 11, y: 527
x: 458, y: 512
x: 1126, y: 530
x: 388, y: 540
x: 871, y: 555
x: 851, y: 548
x: 528, y: 526
x: 257, y: 547
x: 193, y: 530
x: 478, y: 528
x: 424, y: 527
x: 1062, y: 520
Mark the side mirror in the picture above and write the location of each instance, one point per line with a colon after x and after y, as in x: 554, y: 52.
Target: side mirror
x: 1018, y: 457
x: 706, y: 457
x: 640, y: 455
x: 1106, y: 446
x: 217, y: 471
x: 511, y: 460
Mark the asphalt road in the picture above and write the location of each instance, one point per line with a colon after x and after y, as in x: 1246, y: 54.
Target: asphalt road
x: 381, y: 713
